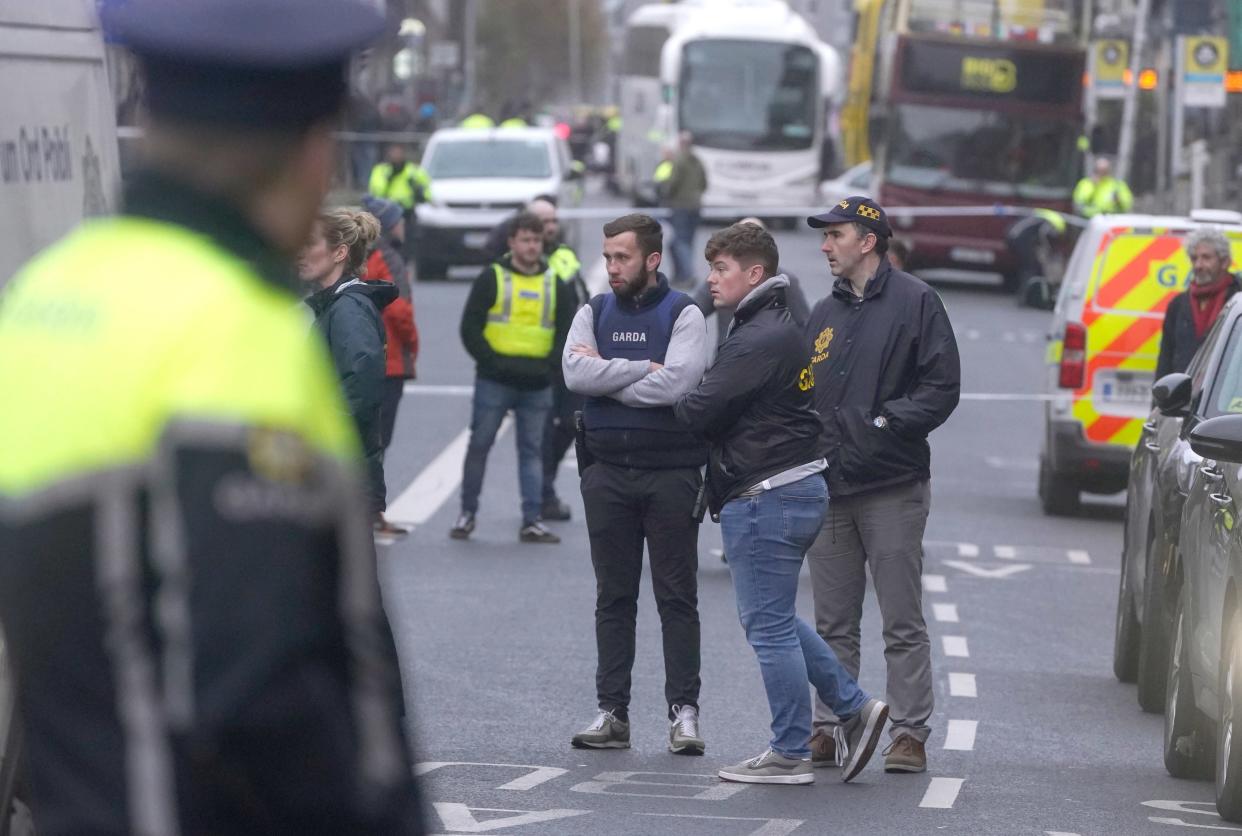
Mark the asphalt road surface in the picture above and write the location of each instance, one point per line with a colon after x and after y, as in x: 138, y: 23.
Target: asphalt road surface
x: 1031, y: 733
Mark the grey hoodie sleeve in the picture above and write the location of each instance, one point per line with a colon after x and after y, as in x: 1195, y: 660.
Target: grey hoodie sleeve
x: 593, y: 376
x: 684, y: 364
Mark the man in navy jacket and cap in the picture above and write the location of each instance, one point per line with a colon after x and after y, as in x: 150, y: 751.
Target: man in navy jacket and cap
x: 884, y: 369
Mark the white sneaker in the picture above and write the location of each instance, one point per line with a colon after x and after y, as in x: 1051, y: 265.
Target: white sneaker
x: 683, y: 731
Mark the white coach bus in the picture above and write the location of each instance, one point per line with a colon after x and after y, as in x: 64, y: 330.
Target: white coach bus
x: 749, y: 79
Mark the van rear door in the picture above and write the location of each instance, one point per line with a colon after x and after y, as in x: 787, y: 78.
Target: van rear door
x: 58, y: 152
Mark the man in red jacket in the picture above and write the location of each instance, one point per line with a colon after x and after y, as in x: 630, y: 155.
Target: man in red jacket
x: 385, y: 262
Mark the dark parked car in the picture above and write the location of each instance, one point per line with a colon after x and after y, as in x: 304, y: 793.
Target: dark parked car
x: 1160, y: 471
x: 1204, y: 696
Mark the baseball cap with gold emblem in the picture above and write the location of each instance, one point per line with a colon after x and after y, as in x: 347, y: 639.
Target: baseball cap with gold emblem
x: 857, y: 209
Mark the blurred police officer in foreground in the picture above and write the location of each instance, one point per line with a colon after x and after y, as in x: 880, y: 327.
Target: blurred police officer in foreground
x: 187, y: 578
x: 885, y: 372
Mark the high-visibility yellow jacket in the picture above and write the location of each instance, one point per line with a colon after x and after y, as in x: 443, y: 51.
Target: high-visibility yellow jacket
x: 522, y: 322
x: 478, y: 120
x: 183, y: 533
x: 1109, y: 196
x: 405, y: 187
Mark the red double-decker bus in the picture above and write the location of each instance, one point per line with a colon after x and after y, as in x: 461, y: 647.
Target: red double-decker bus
x: 961, y: 117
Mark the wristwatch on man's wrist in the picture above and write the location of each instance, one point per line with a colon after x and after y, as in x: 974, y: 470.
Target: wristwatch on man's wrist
x: 880, y: 422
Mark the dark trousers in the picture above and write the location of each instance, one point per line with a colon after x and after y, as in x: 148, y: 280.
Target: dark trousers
x: 390, y: 399
x: 624, y: 507
x: 558, y: 435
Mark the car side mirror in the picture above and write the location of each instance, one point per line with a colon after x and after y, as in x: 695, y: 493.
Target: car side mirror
x: 1172, y: 394
x: 1218, y: 438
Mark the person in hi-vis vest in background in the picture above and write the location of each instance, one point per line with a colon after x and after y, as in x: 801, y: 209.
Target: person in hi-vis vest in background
x: 1102, y: 193
x: 514, y: 319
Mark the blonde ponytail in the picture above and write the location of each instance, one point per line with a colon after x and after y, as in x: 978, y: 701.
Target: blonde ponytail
x: 354, y: 228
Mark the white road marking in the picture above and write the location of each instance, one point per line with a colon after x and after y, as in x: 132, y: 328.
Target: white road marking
x: 438, y: 389
x: 770, y: 827
x: 1008, y: 396
x: 935, y: 583
x: 1059, y: 833
x: 962, y: 685
x: 972, y: 333
x: 1005, y: 552
x: 1007, y: 463
x: 438, y: 481
x: 712, y: 788
x: 999, y: 573
x: 535, y: 776
x: 1031, y: 336
x: 945, y: 612
x: 967, y: 550
x: 460, y: 819
x: 1009, y: 337
x: 956, y: 646
x: 941, y: 793
x: 1078, y: 556
x: 961, y: 735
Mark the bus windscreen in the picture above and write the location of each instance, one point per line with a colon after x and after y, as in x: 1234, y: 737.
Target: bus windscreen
x: 981, y: 151
x: 749, y: 95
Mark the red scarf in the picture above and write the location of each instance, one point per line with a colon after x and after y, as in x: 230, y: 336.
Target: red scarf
x: 1206, y: 300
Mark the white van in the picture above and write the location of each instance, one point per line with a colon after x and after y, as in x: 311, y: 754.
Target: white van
x: 58, y: 151
x: 58, y: 165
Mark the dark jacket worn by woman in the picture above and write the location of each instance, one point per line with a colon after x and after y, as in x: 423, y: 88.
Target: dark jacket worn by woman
x: 754, y: 405
x: 348, y: 316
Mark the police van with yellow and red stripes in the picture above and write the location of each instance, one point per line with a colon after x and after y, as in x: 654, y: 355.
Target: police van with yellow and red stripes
x: 1103, y: 345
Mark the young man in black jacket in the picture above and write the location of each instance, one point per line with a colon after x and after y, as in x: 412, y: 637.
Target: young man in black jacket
x: 515, y: 317
x: 766, y: 487
x: 885, y: 371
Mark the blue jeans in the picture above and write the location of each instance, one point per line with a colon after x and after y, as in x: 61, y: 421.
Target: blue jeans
x: 685, y: 222
x: 492, y: 401
x: 765, y: 539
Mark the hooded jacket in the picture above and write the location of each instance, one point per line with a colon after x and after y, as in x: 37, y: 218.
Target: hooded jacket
x: 348, y: 316
x: 754, y: 405
x: 891, y: 353
x: 385, y: 263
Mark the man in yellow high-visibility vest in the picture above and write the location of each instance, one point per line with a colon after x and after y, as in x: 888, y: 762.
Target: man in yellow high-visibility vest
x: 400, y: 180
x: 187, y: 571
x: 1102, y: 193
x: 515, y: 318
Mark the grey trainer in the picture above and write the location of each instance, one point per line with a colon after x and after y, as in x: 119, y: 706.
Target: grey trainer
x: 862, y: 732
x: 607, y: 732
x: 683, y: 731
x: 770, y: 768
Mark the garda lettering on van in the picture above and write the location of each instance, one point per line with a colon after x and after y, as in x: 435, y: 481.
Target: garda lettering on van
x: 629, y: 336
x: 36, y: 154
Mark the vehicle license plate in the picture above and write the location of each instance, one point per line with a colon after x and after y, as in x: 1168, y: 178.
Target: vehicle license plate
x: 970, y: 255
x: 475, y: 240
x: 1116, y: 391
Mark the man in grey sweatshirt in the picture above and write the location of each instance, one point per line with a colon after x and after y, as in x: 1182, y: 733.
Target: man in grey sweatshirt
x: 633, y: 352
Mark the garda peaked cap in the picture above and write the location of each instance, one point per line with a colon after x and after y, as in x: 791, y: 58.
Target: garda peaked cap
x: 272, y: 64
x: 859, y: 210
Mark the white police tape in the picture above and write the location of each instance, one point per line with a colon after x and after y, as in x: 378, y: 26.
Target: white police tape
x: 802, y: 212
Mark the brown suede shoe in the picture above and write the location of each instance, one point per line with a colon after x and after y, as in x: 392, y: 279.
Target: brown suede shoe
x: 823, y: 749
x: 905, y: 755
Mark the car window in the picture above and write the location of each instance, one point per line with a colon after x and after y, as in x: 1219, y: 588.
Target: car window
x: 1226, y: 395
x: 490, y: 157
